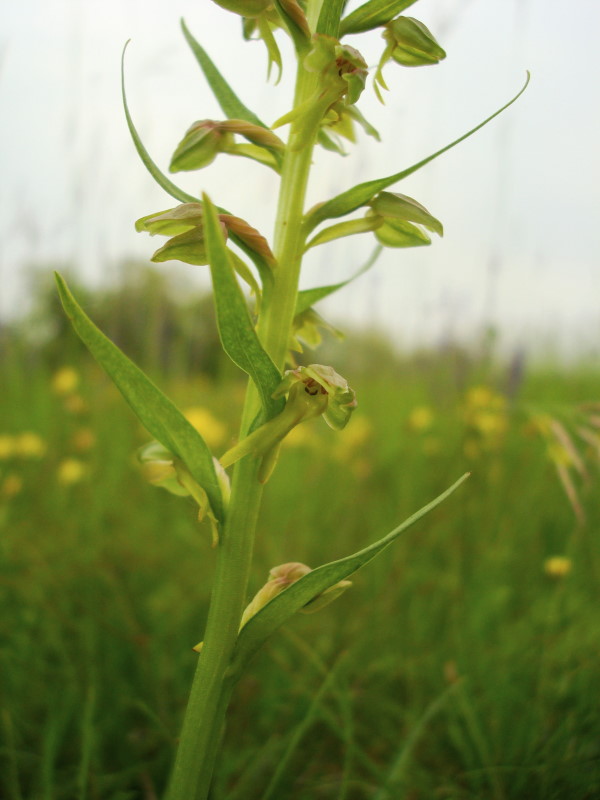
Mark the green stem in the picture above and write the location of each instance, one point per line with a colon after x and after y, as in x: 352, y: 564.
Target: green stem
x: 209, y: 694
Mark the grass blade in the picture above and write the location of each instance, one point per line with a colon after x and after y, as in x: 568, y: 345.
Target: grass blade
x: 300, y: 731
x: 283, y: 606
x: 154, y: 410
x: 360, y: 194
x: 236, y: 329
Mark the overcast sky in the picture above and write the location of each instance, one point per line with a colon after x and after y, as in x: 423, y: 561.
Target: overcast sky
x: 519, y: 201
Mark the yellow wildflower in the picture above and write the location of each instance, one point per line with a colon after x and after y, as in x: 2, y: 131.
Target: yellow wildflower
x: 83, y: 439
x: 211, y: 429
x: 420, y: 418
x: 65, y: 380
x: 489, y: 423
x: 11, y: 485
x: 29, y: 445
x: 70, y: 470
x: 7, y: 446
x: 557, y: 566
x: 75, y: 404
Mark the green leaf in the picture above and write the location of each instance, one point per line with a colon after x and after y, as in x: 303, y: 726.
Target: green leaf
x: 162, y: 180
x: 258, y: 629
x: 372, y: 14
x: 361, y: 194
x: 155, y: 411
x: 232, y: 106
x: 236, y: 330
x: 329, y: 18
x: 308, y: 297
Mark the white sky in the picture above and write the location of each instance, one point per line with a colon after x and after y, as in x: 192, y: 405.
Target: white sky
x: 519, y: 201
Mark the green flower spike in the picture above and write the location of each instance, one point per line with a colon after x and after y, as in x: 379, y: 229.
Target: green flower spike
x: 398, y: 214
x: 312, y: 391
x: 409, y: 43
x: 161, y: 468
x: 279, y: 579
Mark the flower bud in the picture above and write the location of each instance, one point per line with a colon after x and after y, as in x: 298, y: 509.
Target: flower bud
x: 203, y: 141
x: 158, y: 467
x: 186, y: 222
x: 279, y: 579
x: 283, y: 576
x: 188, y: 247
x: 411, y: 43
x: 403, y: 220
x: 172, y: 221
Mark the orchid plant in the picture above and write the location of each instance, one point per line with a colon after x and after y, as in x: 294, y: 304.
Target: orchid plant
x: 263, y: 328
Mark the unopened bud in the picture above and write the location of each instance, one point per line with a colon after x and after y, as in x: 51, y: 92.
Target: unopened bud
x: 411, y: 43
x: 279, y: 579
x: 402, y: 221
x: 158, y: 468
x: 203, y: 141
x: 186, y: 226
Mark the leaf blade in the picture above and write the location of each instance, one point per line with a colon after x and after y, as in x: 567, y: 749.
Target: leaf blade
x: 296, y: 596
x: 155, y: 411
x: 360, y: 194
x: 160, y: 178
x: 236, y: 330
x: 230, y: 103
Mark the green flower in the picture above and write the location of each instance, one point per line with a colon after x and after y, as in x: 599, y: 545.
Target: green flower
x: 402, y: 221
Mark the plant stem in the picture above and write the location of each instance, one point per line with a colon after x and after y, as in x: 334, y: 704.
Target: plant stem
x: 209, y: 696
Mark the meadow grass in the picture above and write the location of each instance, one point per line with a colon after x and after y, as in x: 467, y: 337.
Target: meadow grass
x: 455, y: 667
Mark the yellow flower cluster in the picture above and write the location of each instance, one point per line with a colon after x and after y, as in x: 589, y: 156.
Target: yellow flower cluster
x: 22, y: 445
x: 486, y: 419
x: 65, y: 384
x: 557, y: 566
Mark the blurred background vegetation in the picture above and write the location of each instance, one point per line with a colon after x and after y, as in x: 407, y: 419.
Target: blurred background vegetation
x: 464, y: 664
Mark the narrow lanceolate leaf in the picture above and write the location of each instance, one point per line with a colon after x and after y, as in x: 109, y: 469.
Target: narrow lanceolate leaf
x: 236, y: 330
x: 156, y: 412
x: 162, y: 180
x: 329, y: 18
x: 356, y: 197
x: 372, y: 14
x: 232, y: 106
x: 295, y: 597
x: 308, y: 297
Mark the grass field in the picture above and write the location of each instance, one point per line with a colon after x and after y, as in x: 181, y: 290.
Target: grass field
x: 462, y: 665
